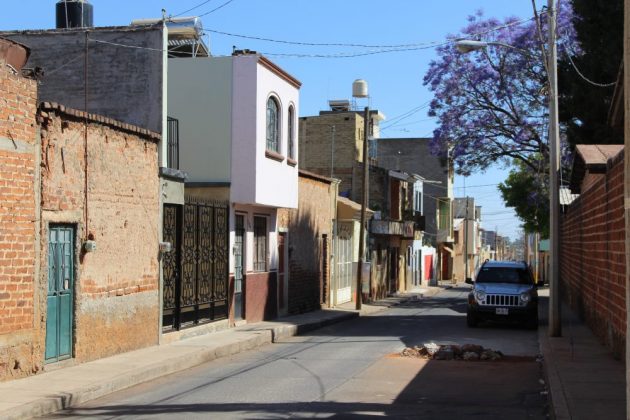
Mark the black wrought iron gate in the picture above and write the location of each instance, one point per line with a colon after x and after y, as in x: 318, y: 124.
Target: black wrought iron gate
x: 196, y: 269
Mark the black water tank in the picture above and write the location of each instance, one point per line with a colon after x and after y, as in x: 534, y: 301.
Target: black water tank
x: 74, y: 14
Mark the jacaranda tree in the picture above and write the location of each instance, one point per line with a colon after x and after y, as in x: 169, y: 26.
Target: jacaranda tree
x: 492, y: 104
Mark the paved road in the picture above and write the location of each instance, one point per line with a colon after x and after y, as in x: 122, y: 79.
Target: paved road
x: 352, y: 370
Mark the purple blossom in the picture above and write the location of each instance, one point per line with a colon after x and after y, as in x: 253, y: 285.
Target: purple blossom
x: 491, y: 105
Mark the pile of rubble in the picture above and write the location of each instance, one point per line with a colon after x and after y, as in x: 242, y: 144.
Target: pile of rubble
x: 434, y: 351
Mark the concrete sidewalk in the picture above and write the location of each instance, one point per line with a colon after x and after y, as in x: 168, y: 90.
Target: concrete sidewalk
x: 584, y: 380
x: 62, y: 388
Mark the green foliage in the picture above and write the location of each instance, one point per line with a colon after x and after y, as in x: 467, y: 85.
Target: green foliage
x: 526, y: 191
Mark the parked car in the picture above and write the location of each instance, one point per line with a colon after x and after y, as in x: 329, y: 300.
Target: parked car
x: 503, y: 290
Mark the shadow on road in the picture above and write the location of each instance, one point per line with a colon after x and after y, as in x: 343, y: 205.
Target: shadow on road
x: 392, y: 386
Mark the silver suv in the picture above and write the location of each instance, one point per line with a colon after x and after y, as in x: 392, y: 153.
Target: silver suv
x: 503, y: 290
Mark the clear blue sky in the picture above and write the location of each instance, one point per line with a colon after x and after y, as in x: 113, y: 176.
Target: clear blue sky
x: 395, y: 79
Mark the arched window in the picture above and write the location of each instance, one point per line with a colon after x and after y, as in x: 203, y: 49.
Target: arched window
x: 273, y: 125
x: 291, y: 133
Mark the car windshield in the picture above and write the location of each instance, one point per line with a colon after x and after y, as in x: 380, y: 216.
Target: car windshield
x: 504, y: 275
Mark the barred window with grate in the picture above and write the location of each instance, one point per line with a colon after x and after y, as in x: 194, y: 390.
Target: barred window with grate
x: 273, y: 127
x: 260, y: 243
x: 291, y: 133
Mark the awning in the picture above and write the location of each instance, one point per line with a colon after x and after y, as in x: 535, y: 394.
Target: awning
x: 348, y: 209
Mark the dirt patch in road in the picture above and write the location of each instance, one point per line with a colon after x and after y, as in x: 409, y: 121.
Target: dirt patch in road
x: 466, y: 352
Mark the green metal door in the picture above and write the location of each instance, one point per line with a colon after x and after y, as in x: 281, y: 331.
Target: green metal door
x: 60, y: 293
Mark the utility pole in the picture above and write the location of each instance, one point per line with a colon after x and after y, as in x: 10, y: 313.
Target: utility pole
x: 332, y: 152
x: 364, y: 195
x: 626, y: 87
x: 555, y: 328
x: 496, y: 243
x: 466, y: 241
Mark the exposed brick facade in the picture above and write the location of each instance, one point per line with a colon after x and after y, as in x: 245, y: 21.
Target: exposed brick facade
x: 592, y: 259
x: 307, y: 225
x: 18, y: 222
x: 116, y: 289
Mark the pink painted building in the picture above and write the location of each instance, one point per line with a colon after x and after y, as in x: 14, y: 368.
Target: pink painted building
x: 238, y: 143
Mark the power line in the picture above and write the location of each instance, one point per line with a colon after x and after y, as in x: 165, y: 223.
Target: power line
x: 216, y: 8
x: 319, y: 44
x: 402, y: 47
x: 192, y: 8
x: 577, y: 70
x: 422, y: 46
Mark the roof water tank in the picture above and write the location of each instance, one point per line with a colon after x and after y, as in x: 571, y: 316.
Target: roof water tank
x: 359, y: 89
x: 74, y: 14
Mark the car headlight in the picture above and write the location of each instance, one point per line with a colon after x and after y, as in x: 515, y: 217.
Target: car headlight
x: 525, y: 297
x: 480, y: 295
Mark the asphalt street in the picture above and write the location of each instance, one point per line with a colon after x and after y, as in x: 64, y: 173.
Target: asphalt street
x: 354, y: 370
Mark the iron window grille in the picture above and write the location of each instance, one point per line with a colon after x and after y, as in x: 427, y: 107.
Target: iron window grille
x: 173, y: 143
x: 260, y: 243
x: 291, y: 134
x: 273, y: 127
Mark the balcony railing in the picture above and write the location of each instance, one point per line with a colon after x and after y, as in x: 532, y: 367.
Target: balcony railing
x: 173, y: 143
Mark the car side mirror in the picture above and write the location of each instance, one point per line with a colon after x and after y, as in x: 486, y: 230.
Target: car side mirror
x: 469, y: 280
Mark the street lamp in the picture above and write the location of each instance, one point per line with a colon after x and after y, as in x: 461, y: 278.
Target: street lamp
x: 465, y: 46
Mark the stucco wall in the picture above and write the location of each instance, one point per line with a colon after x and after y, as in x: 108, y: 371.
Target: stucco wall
x: 116, y: 287
x: 276, y: 182
x: 200, y: 97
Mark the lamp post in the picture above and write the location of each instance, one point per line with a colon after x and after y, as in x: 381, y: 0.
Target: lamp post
x: 465, y: 46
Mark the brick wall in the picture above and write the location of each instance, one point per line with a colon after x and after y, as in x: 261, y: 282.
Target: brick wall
x: 308, y: 275
x: 116, y: 288
x: 17, y: 222
x: 592, y: 256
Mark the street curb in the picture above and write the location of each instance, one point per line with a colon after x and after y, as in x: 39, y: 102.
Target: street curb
x: 558, y: 407
x: 134, y: 377
x: 61, y: 401
x: 285, y: 331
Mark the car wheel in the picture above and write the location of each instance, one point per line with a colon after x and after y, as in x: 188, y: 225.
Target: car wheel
x: 471, y: 320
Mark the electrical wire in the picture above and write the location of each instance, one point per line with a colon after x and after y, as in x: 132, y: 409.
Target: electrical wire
x: 577, y: 70
x: 338, y: 55
x: 192, y: 8
x: 216, y: 8
x: 403, y: 47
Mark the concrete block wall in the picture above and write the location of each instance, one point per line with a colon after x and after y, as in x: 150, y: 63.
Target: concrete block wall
x: 592, y: 256
x: 116, y: 287
x: 123, y: 83
x: 18, y: 223
x: 315, y: 142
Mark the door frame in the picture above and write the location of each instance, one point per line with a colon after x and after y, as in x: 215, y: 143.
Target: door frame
x: 73, y: 291
x: 242, y: 314
x: 283, y: 270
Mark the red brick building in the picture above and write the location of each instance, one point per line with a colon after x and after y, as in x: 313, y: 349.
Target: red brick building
x: 19, y: 155
x: 592, y: 257
x: 79, y: 218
